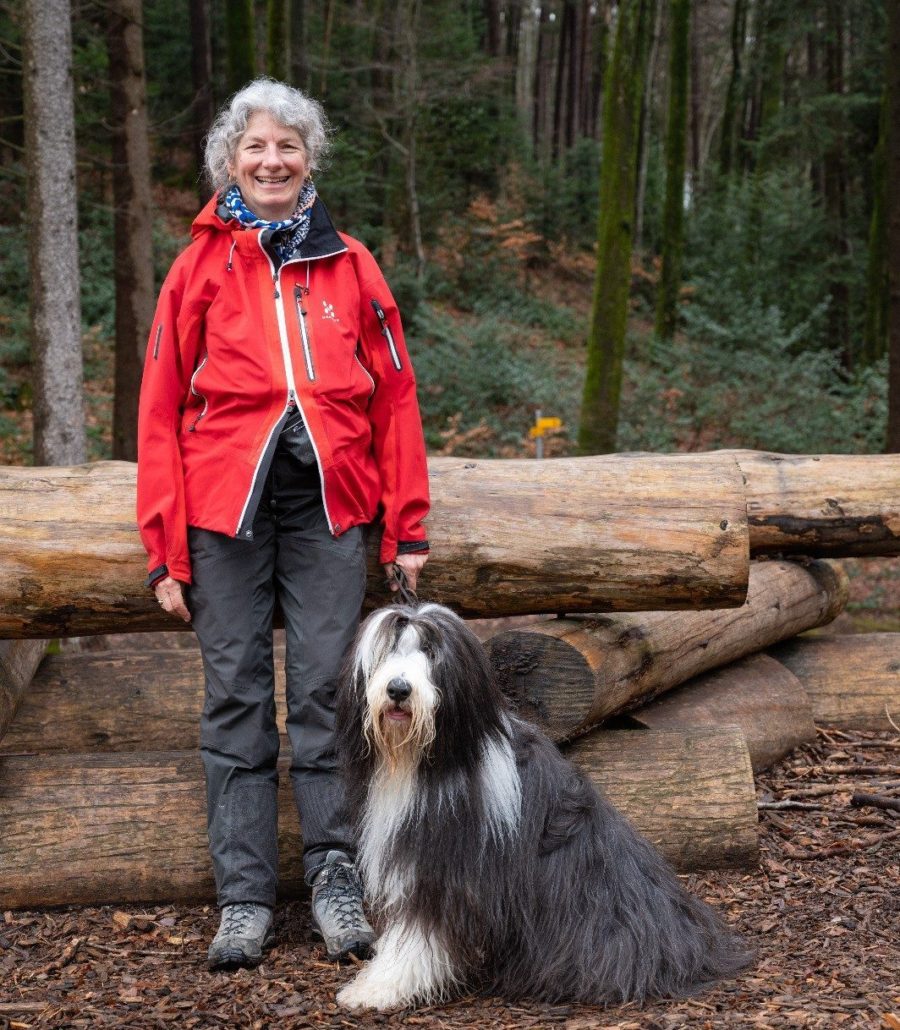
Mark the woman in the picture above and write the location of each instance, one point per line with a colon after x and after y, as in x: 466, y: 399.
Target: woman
x: 278, y: 418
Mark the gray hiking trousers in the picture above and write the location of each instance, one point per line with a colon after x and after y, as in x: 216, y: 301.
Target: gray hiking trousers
x: 319, y: 582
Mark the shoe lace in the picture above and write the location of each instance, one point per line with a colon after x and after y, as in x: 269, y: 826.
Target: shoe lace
x: 341, y: 894
x: 238, y: 919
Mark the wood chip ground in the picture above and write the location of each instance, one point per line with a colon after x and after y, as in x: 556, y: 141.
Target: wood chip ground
x: 822, y: 910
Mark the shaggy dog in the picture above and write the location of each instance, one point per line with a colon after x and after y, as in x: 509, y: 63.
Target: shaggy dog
x: 489, y: 861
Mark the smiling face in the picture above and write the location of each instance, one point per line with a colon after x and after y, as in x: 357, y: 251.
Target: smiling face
x: 269, y: 166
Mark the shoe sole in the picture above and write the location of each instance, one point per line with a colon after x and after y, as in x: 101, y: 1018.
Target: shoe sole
x: 235, y: 958
x: 359, y: 949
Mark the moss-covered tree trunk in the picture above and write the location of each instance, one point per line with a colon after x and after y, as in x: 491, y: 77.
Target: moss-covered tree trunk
x: 892, y: 218
x: 618, y: 173
x: 676, y: 140
x: 240, y: 64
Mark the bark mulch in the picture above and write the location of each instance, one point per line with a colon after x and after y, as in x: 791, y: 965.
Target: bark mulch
x: 822, y: 910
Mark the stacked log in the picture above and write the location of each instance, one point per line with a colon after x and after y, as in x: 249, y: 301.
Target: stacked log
x: 90, y: 829
x: 852, y: 679
x: 571, y: 674
x: 102, y: 800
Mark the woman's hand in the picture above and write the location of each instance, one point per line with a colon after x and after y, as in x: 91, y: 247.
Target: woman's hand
x: 171, y: 597
x: 411, y: 564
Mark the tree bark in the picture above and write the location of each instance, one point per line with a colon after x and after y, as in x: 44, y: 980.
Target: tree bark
x: 570, y: 675
x: 892, y: 214
x: 676, y: 147
x: 278, y: 40
x: 853, y: 679
x: 98, y: 829
x: 647, y: 109
x: 240, y: 44
x: 731, y: 115
x: 52, y: 237
x: 299, y: 59
x: 19, y: 660
x: 133, y: 219
x: 508, y: 537
x: 829, y: 505
x: 757, y: 694
x: 618, y: 171
x: 690, y: 793
x: 203, y: 108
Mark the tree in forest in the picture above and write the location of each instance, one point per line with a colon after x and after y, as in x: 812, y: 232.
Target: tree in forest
x: 240, y: 55
x: 676, y: 143
x: 133, y: 219
x: 55, y: 315
x: 892, y: 218
x: 278, y: 40
x: 203, y: 106
x: 731, y: 113
x: 875, y: 335
x: 609, y: 311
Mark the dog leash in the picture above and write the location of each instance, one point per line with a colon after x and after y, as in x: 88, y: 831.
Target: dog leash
x: 405, y: 595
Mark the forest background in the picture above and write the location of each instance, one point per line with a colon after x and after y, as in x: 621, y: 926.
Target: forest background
x: 748, y: 141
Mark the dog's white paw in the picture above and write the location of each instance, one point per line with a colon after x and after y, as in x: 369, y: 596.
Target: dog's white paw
x: 360, y: 993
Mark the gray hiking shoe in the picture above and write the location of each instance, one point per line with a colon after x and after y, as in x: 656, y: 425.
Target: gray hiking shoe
x: 337, y: 908
x: 244, y: 931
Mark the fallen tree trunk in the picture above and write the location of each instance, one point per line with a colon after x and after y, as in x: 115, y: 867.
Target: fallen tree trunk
x: 18, y: 661
x: 79, y: 829
x: 615, y: 532
x: 756, y: 693
x: 824, y: 505
x: 570, y: 674
x: 852, y: 679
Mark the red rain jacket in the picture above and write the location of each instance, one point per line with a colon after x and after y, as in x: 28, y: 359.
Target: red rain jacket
x: 234, y: 346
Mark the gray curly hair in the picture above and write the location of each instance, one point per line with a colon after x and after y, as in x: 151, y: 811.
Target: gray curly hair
x: 288, y: 106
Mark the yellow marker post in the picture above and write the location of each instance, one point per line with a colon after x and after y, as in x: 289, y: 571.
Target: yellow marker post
x: 540, y: 427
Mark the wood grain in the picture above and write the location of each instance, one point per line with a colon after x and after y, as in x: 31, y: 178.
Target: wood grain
x: 571, y: 674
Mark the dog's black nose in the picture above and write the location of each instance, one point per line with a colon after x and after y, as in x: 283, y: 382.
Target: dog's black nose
x: 398, y: 690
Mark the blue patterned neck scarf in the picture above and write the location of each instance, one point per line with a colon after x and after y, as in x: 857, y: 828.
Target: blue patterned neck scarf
x: 288, y: 233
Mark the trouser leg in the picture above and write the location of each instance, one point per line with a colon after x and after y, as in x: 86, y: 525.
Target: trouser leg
x: 231, y: 602
x: 321, y: 584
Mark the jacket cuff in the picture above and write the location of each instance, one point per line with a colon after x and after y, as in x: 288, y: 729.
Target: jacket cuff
x: 412, y: 546
x: 160, y: 572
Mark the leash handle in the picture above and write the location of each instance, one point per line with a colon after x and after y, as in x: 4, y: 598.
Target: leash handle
x: 405, y: 595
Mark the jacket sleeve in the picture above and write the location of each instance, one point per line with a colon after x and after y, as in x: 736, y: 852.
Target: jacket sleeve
x: 171, y: 356
x: 398, y: 441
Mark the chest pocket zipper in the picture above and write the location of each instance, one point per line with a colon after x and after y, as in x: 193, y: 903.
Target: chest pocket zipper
x: 304, y: 335
x: 196, y: 393
x: 388, y: 335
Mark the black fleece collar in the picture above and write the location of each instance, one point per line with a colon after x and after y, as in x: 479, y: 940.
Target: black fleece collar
x: 321, y: 241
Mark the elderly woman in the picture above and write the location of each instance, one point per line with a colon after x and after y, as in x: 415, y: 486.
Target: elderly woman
x: 278, y: 419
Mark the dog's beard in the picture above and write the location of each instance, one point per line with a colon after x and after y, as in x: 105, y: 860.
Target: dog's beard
x: 399, y: 742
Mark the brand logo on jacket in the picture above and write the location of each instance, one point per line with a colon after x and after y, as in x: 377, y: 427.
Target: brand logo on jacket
x: 328, y: 311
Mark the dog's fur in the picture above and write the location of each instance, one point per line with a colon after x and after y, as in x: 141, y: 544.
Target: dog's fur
x: 489, y: 861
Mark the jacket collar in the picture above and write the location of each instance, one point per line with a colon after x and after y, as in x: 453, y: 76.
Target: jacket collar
x: 322, y: 240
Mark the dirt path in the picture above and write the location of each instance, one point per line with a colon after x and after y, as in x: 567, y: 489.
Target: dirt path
x: 822, y: 909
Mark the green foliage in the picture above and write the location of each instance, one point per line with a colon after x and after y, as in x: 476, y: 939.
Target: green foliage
x: 752, y: 383
x: 567, y: 197
x: 483, y: 373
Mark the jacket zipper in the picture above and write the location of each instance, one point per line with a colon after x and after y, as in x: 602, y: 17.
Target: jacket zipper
x: 196, y: 393
x: 159, y: 330
x: 304, y: 335
x: 388, y: 335
x: 292, y: 397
